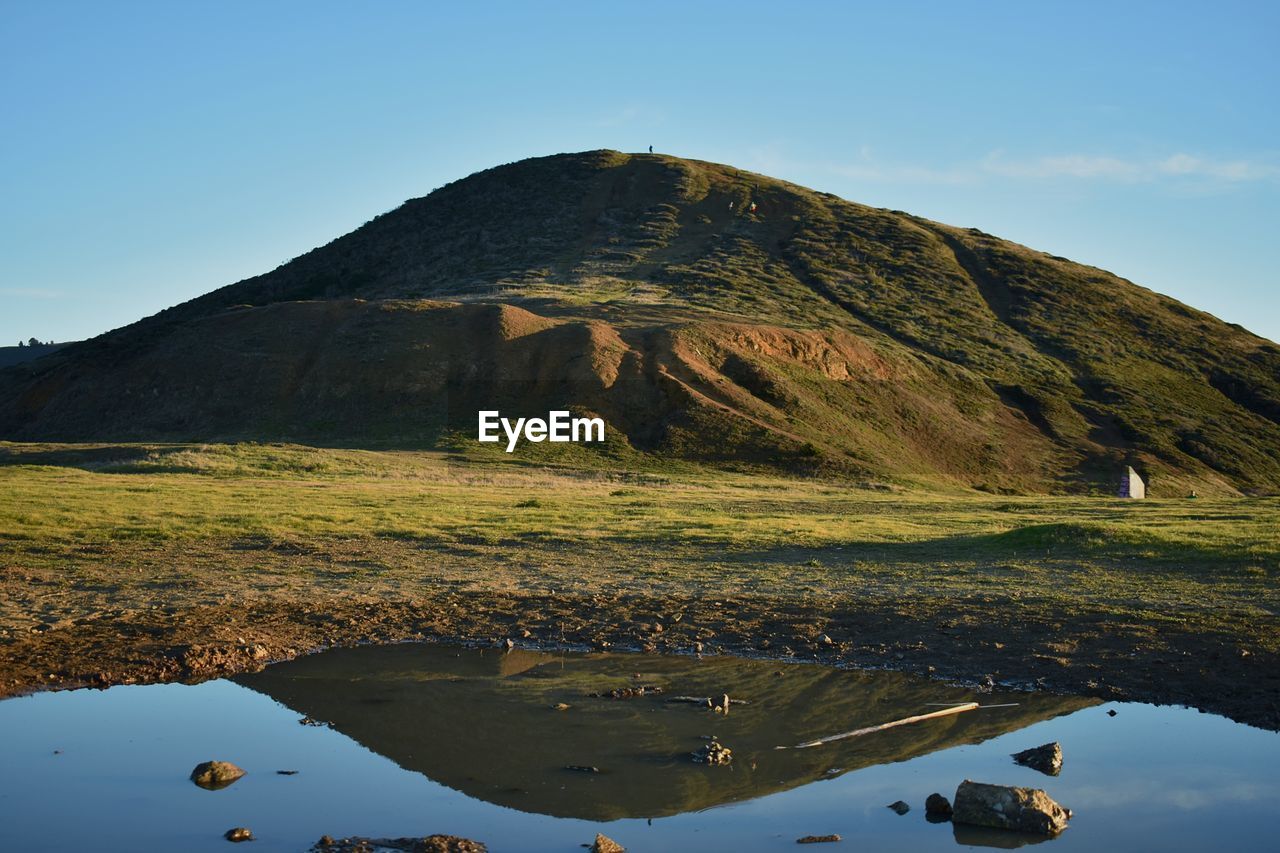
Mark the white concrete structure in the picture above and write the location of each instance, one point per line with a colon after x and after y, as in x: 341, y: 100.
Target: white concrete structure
x: 1131, y: 485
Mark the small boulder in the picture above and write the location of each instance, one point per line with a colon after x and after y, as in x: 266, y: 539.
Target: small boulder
x: 238, y: 834
x: 713, y: 753
x: 212, y: 775
x: 447, y: 844
x: 936, y: 805
x: 605, y: 844
x: 900, y: 807
x: 1046, y: 758
x: 1009, y: 807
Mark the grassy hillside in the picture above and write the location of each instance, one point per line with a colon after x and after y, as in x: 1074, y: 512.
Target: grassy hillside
x: 709, y: 314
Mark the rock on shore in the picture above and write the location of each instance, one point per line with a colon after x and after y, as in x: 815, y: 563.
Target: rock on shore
x: 1008, y: 807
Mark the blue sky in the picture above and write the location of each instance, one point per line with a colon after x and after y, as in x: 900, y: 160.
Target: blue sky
x: 154, y: 151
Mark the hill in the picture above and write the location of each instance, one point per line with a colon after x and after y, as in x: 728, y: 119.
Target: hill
x: 707, y: 313
x: 19, y: 354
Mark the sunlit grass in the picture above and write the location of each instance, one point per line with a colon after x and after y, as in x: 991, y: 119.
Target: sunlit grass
x: 226, y: 518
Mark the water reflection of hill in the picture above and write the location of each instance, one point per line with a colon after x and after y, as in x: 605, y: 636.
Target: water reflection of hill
x: 481, y: 722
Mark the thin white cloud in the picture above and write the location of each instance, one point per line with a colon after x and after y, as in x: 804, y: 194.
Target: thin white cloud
x: 31, y: 293
x: 1062, y: 166
x: 1091, y: 167
x: 906, y: 174
x: 1226, y: 170
x: 869, y: 167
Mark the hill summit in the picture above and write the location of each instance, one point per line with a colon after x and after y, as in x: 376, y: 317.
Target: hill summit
x: 706, y: 313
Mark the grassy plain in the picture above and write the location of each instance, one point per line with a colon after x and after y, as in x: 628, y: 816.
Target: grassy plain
x: 104, y: 534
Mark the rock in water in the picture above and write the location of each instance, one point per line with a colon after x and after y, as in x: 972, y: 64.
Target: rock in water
x: 240, y: 833
x: 1046, y: 758
x: 429, y: 844
x: 936, y: 805
x: 900, y: 807
x: 817, y: 839
x: 1008, y: 807
x: 212, y: 775
x: 605, y: 844
x: 713, y: 753
x: 448, y: 844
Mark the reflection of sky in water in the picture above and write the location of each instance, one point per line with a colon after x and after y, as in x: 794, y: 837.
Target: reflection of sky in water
x: 1149, y: 778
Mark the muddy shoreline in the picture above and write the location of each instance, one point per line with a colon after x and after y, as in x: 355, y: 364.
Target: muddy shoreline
x: 977, y: 643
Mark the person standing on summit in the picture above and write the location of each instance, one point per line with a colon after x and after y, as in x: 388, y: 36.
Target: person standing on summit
x: 650, y: 149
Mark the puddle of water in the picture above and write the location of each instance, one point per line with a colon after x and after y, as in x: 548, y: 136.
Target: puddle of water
x: 424, y: 739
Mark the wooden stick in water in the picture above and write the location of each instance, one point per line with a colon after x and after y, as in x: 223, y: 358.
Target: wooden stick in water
x: 945, y: 712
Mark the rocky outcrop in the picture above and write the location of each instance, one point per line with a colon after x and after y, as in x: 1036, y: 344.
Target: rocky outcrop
x: 605, y: 844
x: 1046, y: 758
x: 212, y: 775
x: 937, y: 806
x: 1008, y: 807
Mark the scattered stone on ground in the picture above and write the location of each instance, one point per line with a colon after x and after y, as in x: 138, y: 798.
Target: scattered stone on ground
x: 582, y: 768
x: 900, y: 807
x: 936, y: 805
x: 561, y: 706
x: 1009, y: 807
x: 429, y: 844
x: 117, y: 641
x: 708, y: 701
x: 713, y: 753
x: 817, y: 839
x: 238, y: 834
x: 1046, y: 758
x: 605, y: 844
x: 628, y: 692
x: 212, y: 775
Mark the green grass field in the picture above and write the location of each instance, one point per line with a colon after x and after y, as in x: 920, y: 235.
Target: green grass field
x: 173, y: 521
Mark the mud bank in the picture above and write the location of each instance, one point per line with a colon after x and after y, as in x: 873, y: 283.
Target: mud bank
x: 980, y: 643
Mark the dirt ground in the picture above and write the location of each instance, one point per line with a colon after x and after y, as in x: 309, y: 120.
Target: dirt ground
x: 1023, y: 645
